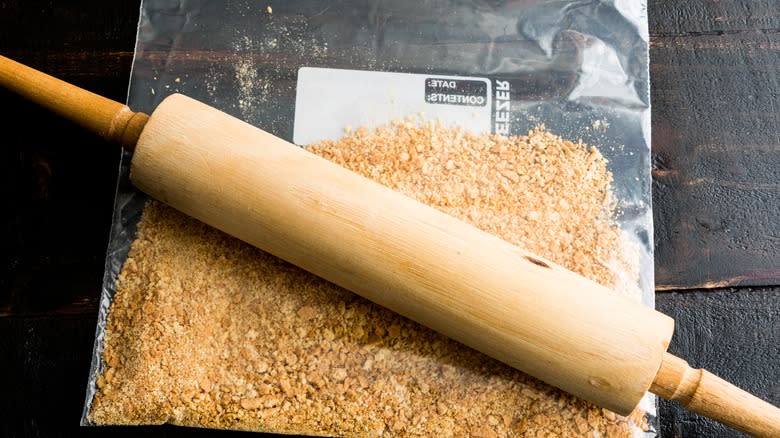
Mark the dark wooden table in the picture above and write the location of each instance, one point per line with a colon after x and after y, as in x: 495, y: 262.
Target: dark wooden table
x: 715, y: 70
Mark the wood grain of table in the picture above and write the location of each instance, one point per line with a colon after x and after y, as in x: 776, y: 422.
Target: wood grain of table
x: 715, y: 90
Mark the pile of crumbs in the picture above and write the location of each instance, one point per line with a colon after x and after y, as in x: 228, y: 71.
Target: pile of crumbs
x: 207, y: 331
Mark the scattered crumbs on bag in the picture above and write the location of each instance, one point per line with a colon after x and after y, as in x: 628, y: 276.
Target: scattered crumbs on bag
x: 600, y: 126
x: 211, y: 81
x: 246, y: 76
x: 255, y: 68
x: 207, y: 331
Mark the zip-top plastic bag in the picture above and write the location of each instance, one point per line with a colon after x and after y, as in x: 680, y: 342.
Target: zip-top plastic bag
x: 527, y: 119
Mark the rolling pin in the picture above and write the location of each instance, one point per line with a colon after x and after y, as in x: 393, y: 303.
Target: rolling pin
x: 467, y: 284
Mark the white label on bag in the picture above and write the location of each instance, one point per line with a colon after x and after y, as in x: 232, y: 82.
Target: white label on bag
x: 328, y: 101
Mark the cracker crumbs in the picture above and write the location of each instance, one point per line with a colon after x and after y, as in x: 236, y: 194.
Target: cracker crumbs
x: 207, y: 331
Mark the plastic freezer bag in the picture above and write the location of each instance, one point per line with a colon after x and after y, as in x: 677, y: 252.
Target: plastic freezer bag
x: 528, y: 119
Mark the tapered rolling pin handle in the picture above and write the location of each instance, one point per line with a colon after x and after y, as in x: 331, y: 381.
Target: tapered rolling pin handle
x: 706, y: 394
x: 111, y: 120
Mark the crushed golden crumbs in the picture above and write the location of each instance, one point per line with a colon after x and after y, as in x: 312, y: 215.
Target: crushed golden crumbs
x: 207, y: 331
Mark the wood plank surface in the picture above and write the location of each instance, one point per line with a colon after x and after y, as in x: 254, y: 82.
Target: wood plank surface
x: 732, y: 333
x: 58, y: 181
x: 715, y: 94
x: 695, y: 17
x: 716, y: 158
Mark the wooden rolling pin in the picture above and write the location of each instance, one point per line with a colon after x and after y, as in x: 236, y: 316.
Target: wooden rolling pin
x: 443, y: 273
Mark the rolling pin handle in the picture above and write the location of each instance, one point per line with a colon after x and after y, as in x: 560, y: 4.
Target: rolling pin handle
x: 126, y: 127
x: 109, y: 119
x: 706, y: 394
